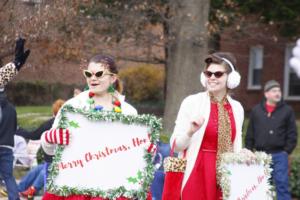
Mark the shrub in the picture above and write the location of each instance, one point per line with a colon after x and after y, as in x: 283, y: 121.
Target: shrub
x: 38, y: 92
x: 295, y: 176
x: 143, y: 83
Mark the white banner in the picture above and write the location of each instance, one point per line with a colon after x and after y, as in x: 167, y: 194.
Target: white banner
x: 248, y: 182
x: 103, y: 155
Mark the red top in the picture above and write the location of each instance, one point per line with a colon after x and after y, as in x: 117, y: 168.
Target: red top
x: 211, y: 143
x: 270, y: 108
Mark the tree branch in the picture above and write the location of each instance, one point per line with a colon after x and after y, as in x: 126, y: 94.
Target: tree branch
x: 3, y: 5
x: 141, y: 60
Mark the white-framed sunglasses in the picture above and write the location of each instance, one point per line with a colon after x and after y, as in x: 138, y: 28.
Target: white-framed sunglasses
x: 98, y: 74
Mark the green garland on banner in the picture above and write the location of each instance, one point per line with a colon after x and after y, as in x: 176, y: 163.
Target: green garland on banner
x: 149, y: 120
x: 243, y: 157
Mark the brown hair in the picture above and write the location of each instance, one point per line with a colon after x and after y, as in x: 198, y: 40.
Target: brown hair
x: 57, y: 105
x: 216, y: 58
x: 111, y: 66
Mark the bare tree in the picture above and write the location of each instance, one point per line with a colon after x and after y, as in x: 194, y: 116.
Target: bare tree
x: 172, y: 33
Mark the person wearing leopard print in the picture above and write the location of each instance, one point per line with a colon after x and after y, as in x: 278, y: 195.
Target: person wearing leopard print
x: 209, y: 124
x: 8, y: 120
x: 8, y: 71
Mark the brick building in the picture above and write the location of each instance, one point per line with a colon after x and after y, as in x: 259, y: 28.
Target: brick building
x: 262, y: 54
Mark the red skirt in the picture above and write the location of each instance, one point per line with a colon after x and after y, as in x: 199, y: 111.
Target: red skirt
x: 202, y: 183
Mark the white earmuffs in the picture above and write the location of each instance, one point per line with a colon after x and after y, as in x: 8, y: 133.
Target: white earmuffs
x: 234, y: 78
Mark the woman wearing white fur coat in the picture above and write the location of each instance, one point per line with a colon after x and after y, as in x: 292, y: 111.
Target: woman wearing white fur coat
x: 209, y: 124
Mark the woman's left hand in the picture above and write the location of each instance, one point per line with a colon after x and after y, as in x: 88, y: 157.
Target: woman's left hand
x: 57, y: 136
x: 248, y: 152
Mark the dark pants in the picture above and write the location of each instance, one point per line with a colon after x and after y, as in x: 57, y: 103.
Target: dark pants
x: 6, y: 170
x: 35, y: 177
x: 280, y: 175
x: 158, y: 185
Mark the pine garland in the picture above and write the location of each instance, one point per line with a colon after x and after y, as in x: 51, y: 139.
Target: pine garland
x: 146, y: 176
x: 242, y: 158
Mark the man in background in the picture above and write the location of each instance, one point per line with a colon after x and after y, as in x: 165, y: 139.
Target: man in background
x: 272, y: 129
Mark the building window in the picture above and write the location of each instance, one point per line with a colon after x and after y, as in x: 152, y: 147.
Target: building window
x: 255, y: 67
x: 291, y: 80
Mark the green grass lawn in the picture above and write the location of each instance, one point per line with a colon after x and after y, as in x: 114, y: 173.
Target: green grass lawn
x: 30, y: 117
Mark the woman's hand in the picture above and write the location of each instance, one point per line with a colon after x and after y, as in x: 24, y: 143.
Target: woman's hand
x: 247, y: 152
x: 195, y: 126
x: 57, y: 136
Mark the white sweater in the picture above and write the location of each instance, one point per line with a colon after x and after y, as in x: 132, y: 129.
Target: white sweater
x: 80, y: 101
x: 193, y: 107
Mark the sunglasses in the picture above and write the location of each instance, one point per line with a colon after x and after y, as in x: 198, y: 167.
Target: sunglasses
x: 217, y: 74
x: 98, y: 74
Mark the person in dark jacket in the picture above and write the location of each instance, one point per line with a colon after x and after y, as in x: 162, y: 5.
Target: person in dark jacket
x: 8, y: 126
x: 34, y: 180
x: 8, y: 120
x: 272, y: 129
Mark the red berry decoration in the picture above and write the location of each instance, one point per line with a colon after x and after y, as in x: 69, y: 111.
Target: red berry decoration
x: 117, y: 103
x: 91, y: 94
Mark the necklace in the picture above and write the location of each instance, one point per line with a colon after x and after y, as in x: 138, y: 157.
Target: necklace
x: 116, y: 104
